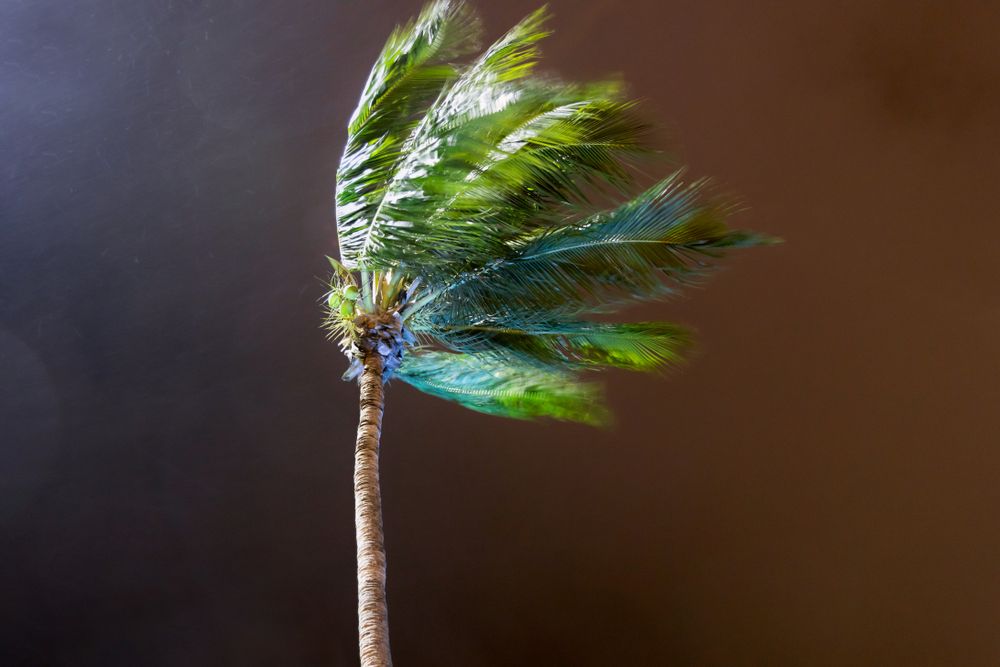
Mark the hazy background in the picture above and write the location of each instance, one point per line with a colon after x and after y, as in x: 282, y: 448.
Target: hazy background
x: 819, y: 487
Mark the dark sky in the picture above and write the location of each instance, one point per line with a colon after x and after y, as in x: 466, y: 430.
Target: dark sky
x: 818, y: 487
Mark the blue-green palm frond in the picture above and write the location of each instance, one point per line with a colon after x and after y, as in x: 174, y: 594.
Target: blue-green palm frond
x: 502, y: 387
x: 635, y: 346
x: 662, y: 239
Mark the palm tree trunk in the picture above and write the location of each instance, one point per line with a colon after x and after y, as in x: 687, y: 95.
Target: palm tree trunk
x: 373, y: 622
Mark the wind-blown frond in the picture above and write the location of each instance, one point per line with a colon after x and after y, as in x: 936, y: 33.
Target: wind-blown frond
x: 489, y: 159
x: 500, y: 178
x: 410, y: 72
x: 662, y: 239
x: 589, y: 137
x: 638, y: 346
x: 535, y: 174
x: 465, y: 120
x: 502, y: 387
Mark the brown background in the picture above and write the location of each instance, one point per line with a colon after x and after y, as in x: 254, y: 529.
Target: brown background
x: 819, y: 487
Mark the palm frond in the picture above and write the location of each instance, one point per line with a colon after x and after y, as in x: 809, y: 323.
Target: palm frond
x: 502, y: 387
x: 500, y: 178
x: 589, y: 133
x: 480, y: 90
x: 535, y: 175
x: 413, y: 67
x: 637, y: 346
x: 491, y: 159
x: 645, y: 249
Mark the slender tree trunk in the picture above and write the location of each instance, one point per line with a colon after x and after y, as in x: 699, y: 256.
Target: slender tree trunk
x: 373, y: 622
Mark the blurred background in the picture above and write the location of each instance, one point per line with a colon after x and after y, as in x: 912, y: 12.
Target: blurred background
x: 817, y: 487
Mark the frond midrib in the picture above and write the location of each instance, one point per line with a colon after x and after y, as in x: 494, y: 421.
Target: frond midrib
x: 594, y: 244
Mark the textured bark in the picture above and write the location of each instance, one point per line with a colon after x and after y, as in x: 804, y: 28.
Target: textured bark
x: 373, y: 622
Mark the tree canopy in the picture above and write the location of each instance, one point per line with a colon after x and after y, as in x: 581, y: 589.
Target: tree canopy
x: 477, y: 222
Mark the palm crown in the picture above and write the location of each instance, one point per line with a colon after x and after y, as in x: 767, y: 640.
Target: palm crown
x: 473, y: 254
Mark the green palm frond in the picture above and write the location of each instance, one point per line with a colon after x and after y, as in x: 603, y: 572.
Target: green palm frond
x: 414, y: 65
x: 478, y: 90
x: 497, y: 178
x: 638, y: 346
x: 536, y: 173
x: 501, y: 387
x: 581, y: 141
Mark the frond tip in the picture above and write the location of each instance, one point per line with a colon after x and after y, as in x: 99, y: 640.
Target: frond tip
x: 505, y: 388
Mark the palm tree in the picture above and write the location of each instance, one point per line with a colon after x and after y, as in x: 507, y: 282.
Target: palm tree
x: 474, y: 249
